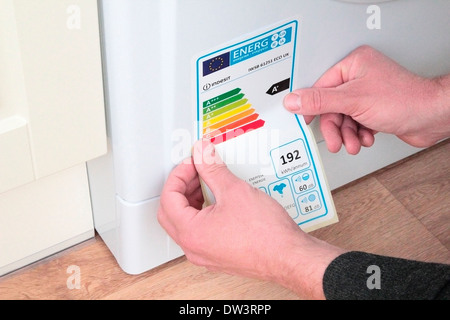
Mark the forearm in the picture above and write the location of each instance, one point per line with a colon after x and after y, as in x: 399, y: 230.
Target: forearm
x: 436, y: 112
x: 444, y: 102
x: 444, y: 83
x: 303, y: 267
x: 317, y: 270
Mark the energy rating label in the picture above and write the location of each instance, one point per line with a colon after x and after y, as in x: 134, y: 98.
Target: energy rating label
x: 240, y: 88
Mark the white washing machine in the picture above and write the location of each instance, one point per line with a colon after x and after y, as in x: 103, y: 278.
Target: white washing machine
x: 151, y: 50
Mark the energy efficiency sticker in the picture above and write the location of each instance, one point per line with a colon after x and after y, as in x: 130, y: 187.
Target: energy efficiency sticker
x: 239, y: 97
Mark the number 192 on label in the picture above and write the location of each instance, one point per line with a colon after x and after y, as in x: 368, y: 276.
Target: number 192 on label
x: 290, y: 157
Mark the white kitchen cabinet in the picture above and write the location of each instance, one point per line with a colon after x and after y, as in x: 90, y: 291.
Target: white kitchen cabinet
x: 51, y: 122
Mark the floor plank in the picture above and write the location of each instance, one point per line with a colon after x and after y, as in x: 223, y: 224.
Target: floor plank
x: 186, y: 281
x: 373, y: 220
x: 423, y: 187
x: 47, y: 279
x: 102, y: 278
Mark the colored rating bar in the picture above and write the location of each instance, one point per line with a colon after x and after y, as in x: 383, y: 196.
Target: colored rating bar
x: 234, y: 106
x: 221, y: 97
x: 232, y: 119
x: 237, y: 132
x: 227, y: 116
x: 214, y: 107
x: 232, y: 125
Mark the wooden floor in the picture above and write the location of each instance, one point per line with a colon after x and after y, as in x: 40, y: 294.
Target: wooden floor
x: 402, y: 210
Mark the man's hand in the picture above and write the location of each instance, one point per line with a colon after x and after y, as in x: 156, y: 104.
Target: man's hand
x: 366, y: 93
x: 245, y: 232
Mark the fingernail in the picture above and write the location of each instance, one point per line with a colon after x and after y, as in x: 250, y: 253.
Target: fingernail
x: 292, y: 102
x: 209, y: 152
x: 204, y: 152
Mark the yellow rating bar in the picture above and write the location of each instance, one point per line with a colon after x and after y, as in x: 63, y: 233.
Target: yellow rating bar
x: 226, y: 115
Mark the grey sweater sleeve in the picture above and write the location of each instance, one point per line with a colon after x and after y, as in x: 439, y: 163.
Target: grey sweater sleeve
x: 363, y: 276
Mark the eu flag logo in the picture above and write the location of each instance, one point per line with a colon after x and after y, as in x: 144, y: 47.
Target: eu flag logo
x: 216, y: 64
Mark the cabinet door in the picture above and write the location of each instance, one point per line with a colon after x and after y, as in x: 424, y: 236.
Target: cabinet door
x: 51, y: 90
x: 52, y: 121
x: 43, y: 217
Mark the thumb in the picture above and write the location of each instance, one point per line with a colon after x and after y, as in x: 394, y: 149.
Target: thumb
x: 212, y: 170
x: 317, y: 101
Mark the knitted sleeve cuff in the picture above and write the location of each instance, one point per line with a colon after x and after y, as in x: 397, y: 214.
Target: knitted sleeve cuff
x: 363, y: 276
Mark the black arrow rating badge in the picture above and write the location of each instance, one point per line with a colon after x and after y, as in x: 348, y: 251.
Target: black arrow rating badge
x: 279, y: 87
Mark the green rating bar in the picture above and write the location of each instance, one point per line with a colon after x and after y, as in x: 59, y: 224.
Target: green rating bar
x: 223, y: 103
x: 224, y: 109
x: 222, y: 97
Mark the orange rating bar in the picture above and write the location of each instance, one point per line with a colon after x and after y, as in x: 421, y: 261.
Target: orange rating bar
x: 228, y: 121
x: 231, y: 126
